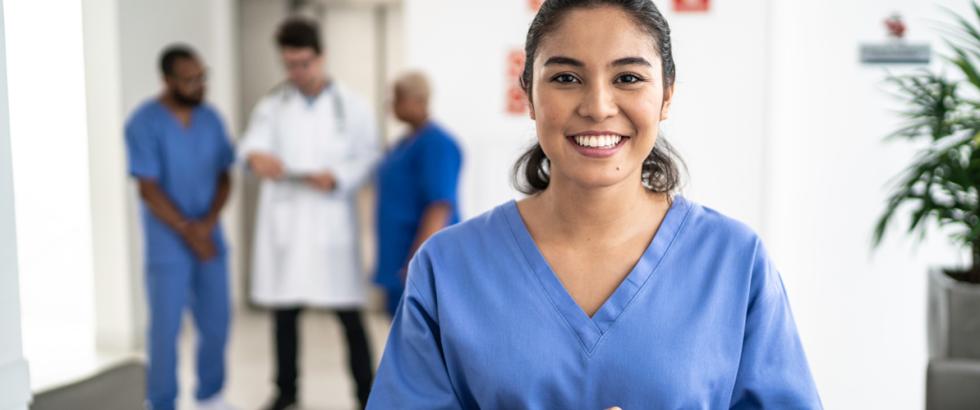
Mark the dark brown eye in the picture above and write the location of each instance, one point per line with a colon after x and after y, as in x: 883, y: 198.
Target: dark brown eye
x: 628, y: 79
x: 565, y: 79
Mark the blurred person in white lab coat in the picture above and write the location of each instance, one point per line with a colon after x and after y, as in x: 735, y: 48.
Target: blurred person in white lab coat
x: 313, y: 143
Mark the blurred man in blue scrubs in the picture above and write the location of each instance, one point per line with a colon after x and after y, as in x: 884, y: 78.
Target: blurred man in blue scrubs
x: 417, y: 185
x: 180, y: 153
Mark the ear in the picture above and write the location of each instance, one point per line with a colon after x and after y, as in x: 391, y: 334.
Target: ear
x: 665, y: 108
x: 530, y: 106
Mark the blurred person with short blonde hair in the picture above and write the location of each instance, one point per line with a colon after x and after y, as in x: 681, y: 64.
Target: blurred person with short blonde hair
x: 418, y: 185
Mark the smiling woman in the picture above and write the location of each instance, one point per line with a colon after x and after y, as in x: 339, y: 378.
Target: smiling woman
x: 603, y: 288
x: 659, y: 171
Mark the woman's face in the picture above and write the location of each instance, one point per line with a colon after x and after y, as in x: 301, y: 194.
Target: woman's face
x: 597, y: 98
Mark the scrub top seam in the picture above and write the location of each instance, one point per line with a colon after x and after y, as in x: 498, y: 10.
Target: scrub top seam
x: 514, y: 235
x: 640, y: 288
x: 442, y: 348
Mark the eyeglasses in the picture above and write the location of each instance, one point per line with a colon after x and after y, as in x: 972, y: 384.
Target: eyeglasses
x: 299, y: 64
x: 198, y: 80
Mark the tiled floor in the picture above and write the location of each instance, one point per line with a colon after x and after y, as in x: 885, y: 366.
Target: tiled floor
x: 325, y: 383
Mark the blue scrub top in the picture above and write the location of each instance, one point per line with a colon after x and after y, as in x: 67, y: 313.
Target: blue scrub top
x: 702, y: 321
x: 421, y: 170
x: 186, y: 162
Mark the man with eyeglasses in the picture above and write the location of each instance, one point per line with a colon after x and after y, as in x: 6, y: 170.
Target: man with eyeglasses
x: 313, y: 143
x: 180, y: 154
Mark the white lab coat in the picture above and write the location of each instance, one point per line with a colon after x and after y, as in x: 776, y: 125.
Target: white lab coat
x: 306, y: 247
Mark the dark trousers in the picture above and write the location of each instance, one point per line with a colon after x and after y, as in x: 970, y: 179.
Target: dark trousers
x: 358, y: 352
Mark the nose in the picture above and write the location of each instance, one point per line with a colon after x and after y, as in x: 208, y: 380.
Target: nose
x: 598, y: 103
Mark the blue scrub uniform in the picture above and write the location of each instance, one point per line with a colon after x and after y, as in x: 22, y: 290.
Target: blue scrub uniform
x: 186, y: 162
x: 419, y: 171
x: 701, y: 322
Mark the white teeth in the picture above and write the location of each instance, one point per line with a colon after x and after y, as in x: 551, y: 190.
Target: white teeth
x: 598, y: 141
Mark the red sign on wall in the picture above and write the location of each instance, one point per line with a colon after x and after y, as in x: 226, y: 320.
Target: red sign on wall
x: 535, y: 5
x: 516, y: 102
x: 691, y: 5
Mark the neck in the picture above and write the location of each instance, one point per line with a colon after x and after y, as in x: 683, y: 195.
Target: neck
x: 315, y: 87
x: 172, y: 104
x: 418, y: 123
x: 587, y: 212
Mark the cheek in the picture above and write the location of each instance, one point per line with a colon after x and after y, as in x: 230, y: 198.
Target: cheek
x: 552, y: 111
x: 644, y: 113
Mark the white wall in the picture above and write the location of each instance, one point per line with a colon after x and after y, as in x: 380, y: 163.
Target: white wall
x: 780, y: 126
x: 15, y: 389
x: 722, y: 72
x: 116, y: 317
x: 861, y: 313
x: 46, y: 76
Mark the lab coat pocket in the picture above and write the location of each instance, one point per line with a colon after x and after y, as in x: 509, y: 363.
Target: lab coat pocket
x: 335, y: 231
x: 338, y: 146
x: 283, y: 230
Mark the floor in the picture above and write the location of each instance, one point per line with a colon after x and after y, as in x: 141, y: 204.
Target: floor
x: 325, y: 383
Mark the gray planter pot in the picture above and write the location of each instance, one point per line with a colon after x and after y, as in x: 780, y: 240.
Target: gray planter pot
x: 954, y: 318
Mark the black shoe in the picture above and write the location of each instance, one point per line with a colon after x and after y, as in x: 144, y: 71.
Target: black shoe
x: 282, y: 403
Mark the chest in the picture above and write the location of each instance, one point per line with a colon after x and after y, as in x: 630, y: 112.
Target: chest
x: 189, y: 147
x: 591, y: 271
x: 658, y: 355
x: 305, y: 133
x: 401, y: 167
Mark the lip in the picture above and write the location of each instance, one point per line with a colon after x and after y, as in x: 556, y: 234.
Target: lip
x: 592, y: 132
x: 593, y: 152
x: 597, y: 152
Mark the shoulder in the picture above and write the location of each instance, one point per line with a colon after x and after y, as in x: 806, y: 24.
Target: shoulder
x: 438, y: 134
x: 437, y: 140
x: 274, y: 97
x: 465, y: 244
x: 147, y: 111
x: 474, y: 233
x: 351, y: 99
x: 712, y: 229
x: 211, y: 113
x: 706, y: 217
x: 457, y: 256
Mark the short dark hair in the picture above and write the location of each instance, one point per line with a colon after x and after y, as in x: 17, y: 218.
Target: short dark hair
x: 298, y: 32
x: 660, y: 168
x: 170, y: 55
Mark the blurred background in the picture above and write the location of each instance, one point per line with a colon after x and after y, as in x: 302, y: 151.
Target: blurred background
x: 780, y: 124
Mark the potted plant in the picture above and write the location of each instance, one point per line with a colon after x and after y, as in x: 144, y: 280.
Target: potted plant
x: 942, y: 185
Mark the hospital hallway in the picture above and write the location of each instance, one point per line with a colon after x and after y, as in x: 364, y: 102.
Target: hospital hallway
x: 304, y: 151
x: 325, y: 382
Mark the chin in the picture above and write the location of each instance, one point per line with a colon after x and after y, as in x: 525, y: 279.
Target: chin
x: 600, y: 179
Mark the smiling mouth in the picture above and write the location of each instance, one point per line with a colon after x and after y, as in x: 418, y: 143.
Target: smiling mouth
x: 601, y: 141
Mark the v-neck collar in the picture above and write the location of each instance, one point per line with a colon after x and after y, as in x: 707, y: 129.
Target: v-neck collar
x: 590, y: 330
x: 176, y: 121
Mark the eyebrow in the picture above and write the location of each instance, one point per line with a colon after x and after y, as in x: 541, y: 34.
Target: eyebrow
x: 562, y: 60
x: 631, y: 61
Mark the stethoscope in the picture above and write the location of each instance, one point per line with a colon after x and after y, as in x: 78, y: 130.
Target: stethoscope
x: 340, y: 125
x: 293, y: 182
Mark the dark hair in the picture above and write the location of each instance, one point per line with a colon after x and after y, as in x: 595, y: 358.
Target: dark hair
x: 660, y: 171
x: 298, y: 32
x: 170, y: 55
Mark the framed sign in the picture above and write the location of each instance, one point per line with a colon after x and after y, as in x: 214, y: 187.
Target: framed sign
x: 896, y: 50
x: 534, y: 5
x: 698, y: 6
x: 515, y: 103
